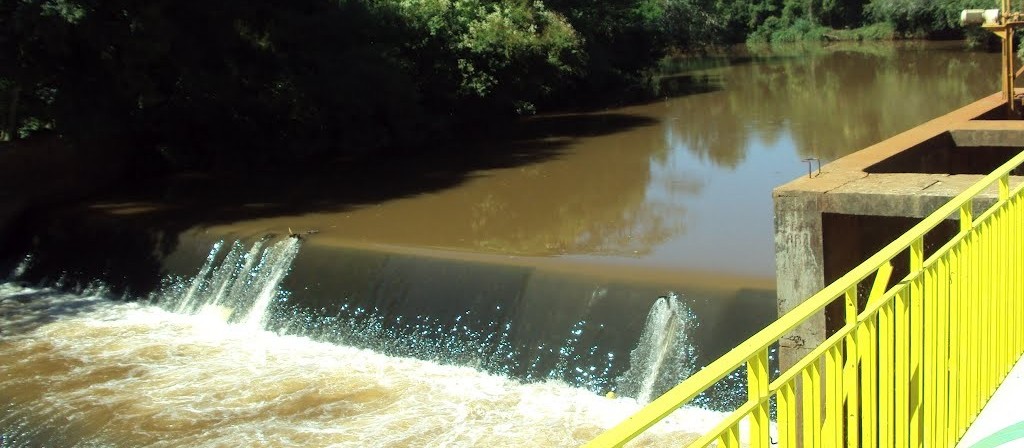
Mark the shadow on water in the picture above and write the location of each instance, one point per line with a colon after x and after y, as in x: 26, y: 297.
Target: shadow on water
x: 736, y: 104
x: 498, y: 318
x: 138, y: 222
x: 684, y: 84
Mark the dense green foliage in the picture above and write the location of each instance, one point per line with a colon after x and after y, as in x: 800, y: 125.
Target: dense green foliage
x: 198, y: 84
x: 194, y: 84
x: 796, y: 20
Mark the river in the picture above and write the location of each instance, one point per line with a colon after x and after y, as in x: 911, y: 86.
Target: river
x: 680, y: 184
x: 485, y: 298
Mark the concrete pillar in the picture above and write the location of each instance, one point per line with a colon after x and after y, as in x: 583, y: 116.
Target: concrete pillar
x: 800, y: 268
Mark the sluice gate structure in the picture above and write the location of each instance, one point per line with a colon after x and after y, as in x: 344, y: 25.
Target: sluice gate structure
x: 900, y: 291
x: 915, y: 359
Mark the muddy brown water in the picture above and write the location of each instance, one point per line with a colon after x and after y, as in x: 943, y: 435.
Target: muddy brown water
x: 453, y: 286
x: 680, y: 184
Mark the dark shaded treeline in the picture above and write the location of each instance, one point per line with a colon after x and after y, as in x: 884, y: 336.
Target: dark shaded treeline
x: 796, y: 20
x: 238, y: 84
x: 190, y: 84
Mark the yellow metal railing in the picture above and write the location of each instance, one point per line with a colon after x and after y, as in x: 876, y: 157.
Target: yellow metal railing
x: 914, y: 363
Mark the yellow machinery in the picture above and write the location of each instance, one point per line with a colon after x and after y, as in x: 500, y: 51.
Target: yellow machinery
x: 1002, y: 22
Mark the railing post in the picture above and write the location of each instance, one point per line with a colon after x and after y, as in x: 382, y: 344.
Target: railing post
x: 757, y: 390
x: 916, y: 426
x: 886, y: 375
x: 1017, y: 248
x: 962, y: 324
x: 810, y: 415
x: 928, y: 356
x: 1002, y: 331
x: 833, y: 432
x: 902, y: 397
x: 850, y: 386
x: 966, y: 216
x: 943, y: 390
x: 731, y: 438
x: 974, y: 320
x: 985, y: 305
x: 786, y: 409
x: 868, y: 391
x: 957, y: 316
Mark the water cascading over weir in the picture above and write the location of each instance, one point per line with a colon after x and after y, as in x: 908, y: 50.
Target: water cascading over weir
x: 241, y: 353
x: 664, y: 352
x: 241, y: 288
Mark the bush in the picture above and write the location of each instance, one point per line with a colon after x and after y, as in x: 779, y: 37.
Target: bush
x: 924, y: 17
x: 780, y: 30
x: 506, y: 55
x: 877, y: 31
x: 258, y: 82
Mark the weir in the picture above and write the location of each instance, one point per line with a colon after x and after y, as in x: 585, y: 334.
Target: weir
x: 238, y: 301
x: 418, y: 312
x: 528, y: 322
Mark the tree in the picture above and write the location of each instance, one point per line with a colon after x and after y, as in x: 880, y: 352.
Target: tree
x: 32, y: 41
x: 924, y: 17
x: 255, y: 82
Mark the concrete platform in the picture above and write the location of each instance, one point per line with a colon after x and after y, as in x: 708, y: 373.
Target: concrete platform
x: 829, y: 222
x: 1001, y: 422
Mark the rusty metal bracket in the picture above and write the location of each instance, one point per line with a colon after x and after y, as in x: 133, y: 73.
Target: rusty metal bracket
x: 811, y: 173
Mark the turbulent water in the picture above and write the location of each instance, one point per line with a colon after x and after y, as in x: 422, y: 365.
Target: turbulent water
x: 241, y: 288
x: 664, y: 354
x: 197, y: 367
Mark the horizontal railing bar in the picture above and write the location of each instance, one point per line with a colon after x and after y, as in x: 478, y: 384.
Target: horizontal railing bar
x: 992, y: 210
x: 815, y: 355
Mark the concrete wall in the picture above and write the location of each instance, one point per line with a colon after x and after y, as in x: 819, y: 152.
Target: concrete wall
x: 828, y: 223
x: 800, y: 265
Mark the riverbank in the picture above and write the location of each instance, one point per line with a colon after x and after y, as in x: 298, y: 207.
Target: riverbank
x: 680, y: 184
x: 541, y: 258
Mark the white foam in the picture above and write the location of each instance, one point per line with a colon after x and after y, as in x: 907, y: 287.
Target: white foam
x: 131, y: 374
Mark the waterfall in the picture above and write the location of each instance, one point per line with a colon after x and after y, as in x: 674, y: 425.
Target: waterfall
x: 664, y: 356
x: 166, y: 372
x: 241, y: 287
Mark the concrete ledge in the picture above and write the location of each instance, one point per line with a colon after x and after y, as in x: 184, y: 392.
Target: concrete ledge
x: 828, y: 223
x: 989, y: 133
